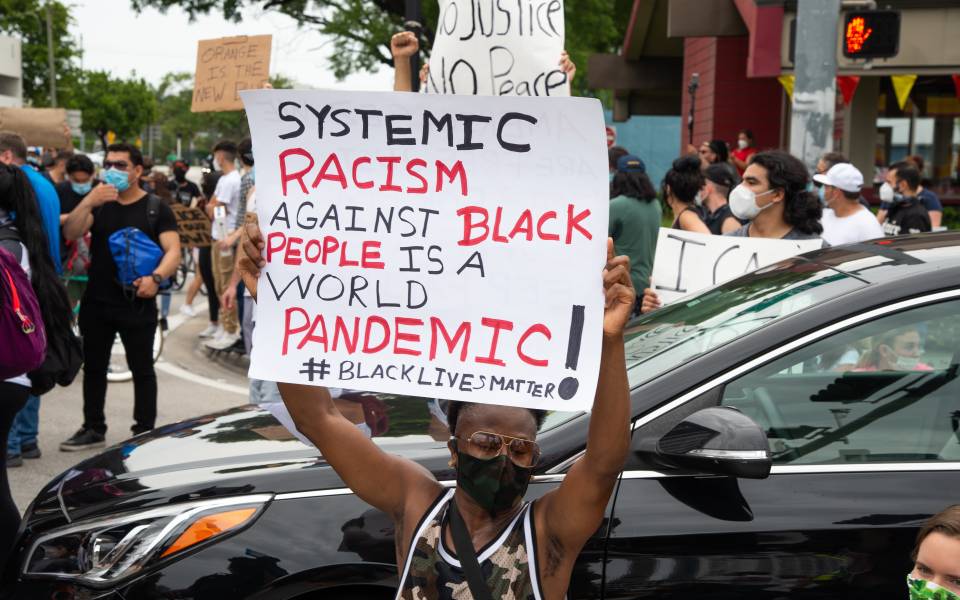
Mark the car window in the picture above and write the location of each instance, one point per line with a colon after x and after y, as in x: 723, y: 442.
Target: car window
x: 667, y: 338
x: 884, y: 391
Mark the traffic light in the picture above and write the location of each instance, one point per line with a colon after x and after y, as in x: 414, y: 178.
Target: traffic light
x: 871, y: 34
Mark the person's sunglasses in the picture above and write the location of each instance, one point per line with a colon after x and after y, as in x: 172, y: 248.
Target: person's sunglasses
x: 486, y: 445
x: 116, y: 164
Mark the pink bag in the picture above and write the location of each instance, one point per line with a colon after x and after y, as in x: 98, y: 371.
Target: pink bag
x: 23, y: 342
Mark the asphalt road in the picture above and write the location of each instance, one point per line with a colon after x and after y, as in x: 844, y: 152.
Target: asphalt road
x: 189, y: 381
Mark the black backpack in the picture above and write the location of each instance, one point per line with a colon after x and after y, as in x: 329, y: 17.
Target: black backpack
x: 64, y: 348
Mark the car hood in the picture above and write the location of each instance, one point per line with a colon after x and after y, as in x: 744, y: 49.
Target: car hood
x: 239, y: 451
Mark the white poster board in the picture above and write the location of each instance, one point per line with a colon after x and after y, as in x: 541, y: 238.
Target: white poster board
x: 498, y: 48
x: 439, y: 246
x: 689, y: 262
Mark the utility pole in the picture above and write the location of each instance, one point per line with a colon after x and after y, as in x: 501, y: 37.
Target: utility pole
x: 53, y: 71
x: 413, y: 22
x: 815, y: 88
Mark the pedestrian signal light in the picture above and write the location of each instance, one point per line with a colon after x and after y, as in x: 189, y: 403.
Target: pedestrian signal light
x: 871, y: 34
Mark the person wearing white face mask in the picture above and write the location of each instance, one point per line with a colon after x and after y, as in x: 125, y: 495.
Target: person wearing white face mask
x: 744, y: 150
x: 845, y: 220
x: 773, y: 197
x: 906, y: 214
x: 897, y: 350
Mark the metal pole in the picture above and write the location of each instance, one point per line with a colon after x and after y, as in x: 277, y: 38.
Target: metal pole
x: 692, y: 88
x: 179, y: 153
x: 815, y: 89
x: 53, y: 71
x: 414, y: 23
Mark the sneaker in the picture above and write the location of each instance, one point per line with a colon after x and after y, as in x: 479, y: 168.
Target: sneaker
x: 188, y: 310
x: 212, y: 330
x: 238, y: 347
x: 14, y: 460
x: 164, y: 326
x: 222, y: 342
x: 31, y: 450
x: 83, y: 439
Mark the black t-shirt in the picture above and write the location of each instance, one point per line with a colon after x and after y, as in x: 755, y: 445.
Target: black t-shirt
x: 907, y: 216
x: 103, y: 285
x: 715, y: 220
x: 186, y: 192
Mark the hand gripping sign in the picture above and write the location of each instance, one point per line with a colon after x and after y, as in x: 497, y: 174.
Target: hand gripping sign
x: 439, y: 246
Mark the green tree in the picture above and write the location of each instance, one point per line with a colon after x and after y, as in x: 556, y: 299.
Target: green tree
x: 360, y: 30
x: 27, y: 19
x: 123, y: 106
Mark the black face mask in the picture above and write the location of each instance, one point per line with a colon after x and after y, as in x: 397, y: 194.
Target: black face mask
x: 180, y: 175
x: 496, y: 484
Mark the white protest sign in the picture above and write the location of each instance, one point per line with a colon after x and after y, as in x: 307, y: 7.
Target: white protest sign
x: 498, y: 48
x: 439, y: 246
x: 689, y: 262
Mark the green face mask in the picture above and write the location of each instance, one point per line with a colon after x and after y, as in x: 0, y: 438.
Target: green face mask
x: 495, y: 483
x: 921, y: 589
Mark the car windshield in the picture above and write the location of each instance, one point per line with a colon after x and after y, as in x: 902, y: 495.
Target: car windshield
x: 692, y: 326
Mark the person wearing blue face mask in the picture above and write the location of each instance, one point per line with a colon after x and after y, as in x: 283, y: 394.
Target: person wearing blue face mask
x: 74, y: 255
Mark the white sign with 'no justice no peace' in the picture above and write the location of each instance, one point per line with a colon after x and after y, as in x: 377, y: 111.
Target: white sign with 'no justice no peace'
x: 438, y: 246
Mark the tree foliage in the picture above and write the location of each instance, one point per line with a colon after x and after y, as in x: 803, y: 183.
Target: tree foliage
x: 123, y: 106
x: 360, y: 30
x: 27, y: 20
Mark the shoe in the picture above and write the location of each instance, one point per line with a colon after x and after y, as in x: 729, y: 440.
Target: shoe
x: 212, y: 330
x: 238, y: 347
x: 14, y: 460
x: 222, y: 342
x: 188, y: 310
x: 84, y: 439
x: 30, y: 450
x: 164, y: 326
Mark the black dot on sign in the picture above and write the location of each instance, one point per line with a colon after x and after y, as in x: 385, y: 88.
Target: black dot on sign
x: 568, y: 388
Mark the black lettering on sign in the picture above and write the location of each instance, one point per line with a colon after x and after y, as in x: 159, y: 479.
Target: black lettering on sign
x: 683, y: 247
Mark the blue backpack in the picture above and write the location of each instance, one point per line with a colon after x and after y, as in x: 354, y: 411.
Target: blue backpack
x: 134, y: 251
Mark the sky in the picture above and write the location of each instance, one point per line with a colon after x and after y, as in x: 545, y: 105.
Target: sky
x: 119, y: 40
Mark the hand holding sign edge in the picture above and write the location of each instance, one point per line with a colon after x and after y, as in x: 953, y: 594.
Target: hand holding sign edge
x: 251, y: 260
x: 619, y: 295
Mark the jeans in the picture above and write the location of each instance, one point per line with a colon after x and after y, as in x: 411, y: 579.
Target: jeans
x: 99, y: 324
x: 164, y: 304
x: 264, y: 392
x: 25, y: 426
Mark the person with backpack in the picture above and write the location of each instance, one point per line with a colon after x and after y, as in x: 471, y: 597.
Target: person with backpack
x: 75, y: 254
x: 134, y: 247
x: 33, y: 309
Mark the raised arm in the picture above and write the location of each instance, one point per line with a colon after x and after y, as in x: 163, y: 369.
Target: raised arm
x: 573, y: 511
x: 80, y: 219
x: 386, y: 482
x: 403, y: 46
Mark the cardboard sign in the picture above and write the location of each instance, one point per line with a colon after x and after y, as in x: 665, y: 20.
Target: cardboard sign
x: 497, y: 48
x: 689, y: 262
x: 193, y: 225
x: 227, y: 65
x: 438, y: 246
x: 45, y: 127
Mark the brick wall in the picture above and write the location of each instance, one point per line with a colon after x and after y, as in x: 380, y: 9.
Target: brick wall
x: 727, y: 100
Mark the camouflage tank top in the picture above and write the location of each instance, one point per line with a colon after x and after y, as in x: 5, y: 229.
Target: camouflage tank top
x: 508, y: 563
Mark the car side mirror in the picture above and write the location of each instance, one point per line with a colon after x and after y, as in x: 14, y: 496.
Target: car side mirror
x: 718, y: 440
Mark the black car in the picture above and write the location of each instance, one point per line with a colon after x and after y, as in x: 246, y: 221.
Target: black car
x: 792, y: 429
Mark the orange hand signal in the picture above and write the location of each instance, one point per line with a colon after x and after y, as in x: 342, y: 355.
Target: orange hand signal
x: 857, y: 35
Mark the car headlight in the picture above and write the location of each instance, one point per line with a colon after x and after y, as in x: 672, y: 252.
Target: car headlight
x: 100, y: 552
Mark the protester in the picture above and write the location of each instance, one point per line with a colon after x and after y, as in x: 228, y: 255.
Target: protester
x: 109, y: 307
x: 634, y: 217
x: 222, y: 209
x: 491, y: 483
x: 205, y: 269
x: 897, y: 350
x: 56, y: 171
x: 13, y: 151
x: 185, y: 191
x: 740, y: 156
x: 719, y: 180
x: 681, y: 188
x: 936, y: 558
x: 787, y: 210
x: 845, y: 220
x: 22, y: 235
x: 906, y: 213
x: 403, y: 45
x: 929, y: 200
x: 161, y: 187
x: 614, y: 153
x: 75, y: 254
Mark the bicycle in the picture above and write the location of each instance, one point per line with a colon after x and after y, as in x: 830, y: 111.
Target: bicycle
x: 117, y: 369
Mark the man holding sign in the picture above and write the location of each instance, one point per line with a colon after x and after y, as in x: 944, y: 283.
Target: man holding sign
x: 388, y: 246
x: 494, y: 451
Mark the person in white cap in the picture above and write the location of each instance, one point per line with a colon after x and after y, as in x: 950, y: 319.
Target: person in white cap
x: 845, y: 220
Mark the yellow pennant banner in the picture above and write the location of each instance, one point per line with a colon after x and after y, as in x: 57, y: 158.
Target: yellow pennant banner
x: 902, y: 84
x: 787, y: 82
